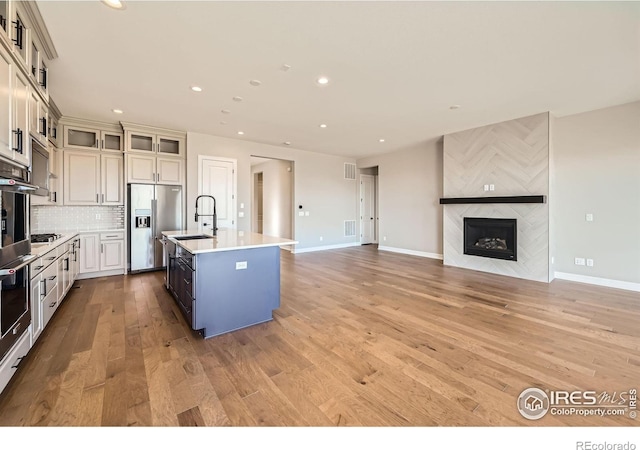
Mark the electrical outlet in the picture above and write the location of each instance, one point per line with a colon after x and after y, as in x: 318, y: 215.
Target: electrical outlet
x: 241, y: 214
x: 579, y: 261
x: 306, y: 213
x: 589, y: 262
x: 384, y: 238
x: 301, y: 213
x: 240, y: 265
x: 588, y: 217
x: 492, y: 187
x: 486, y: 187
x: 241, y: 205
x: 321, y: 238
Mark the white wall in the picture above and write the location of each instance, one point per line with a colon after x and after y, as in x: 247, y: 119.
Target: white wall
x: 597, y: 168
x: 277, y: 184
x: 409, y: 189
x: 319, y: 187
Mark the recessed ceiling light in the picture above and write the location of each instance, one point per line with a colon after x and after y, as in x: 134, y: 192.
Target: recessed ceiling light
x: 380, y: 140
x: 285, y: 67
x: 240, y: 132
x: 237, y: 99
x: 323, y: 125
x: 255, y: 82
x: 196, y: 88
x: 225, y: 111
x: 287, y: 143
x: 222, y: 122
x: 117, y: 111
x: 115, y: 4
x: 454, y: 106
x: 323, y: 80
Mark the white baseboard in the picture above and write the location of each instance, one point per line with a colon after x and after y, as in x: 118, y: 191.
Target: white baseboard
x: 106, y: 273
x: 599, y: 281
x: 411, y: 252
x: 325, y: 247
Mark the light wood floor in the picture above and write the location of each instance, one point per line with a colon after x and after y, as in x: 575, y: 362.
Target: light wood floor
x: 362, y: 338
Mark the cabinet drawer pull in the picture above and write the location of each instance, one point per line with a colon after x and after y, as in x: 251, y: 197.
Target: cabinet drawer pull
x: 38, y: 267
x: 50, y: 258
x: 53, y: 304
x: 52, y: 278
x: 186, y: 282
x: 18, y: 361
x: 111, y: 236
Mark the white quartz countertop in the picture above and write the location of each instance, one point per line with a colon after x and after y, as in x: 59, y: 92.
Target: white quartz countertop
x: 227, y: 239
x: 41, y: 248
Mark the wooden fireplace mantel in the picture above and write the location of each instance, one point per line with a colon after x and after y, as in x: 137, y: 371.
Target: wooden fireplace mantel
x: 504, y: 199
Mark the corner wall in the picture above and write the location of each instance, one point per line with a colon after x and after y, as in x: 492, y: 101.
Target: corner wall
x: 597, y: 159
x: 409, y: 188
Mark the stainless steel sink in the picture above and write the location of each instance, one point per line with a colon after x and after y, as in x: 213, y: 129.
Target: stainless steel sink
x: 188, y: 238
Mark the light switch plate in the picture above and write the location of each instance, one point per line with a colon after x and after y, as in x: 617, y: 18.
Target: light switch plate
x: 588, y: 217
x: 301, y: 213
x: 306, y: 213
x: 241, y: 265
x: 241, y: 214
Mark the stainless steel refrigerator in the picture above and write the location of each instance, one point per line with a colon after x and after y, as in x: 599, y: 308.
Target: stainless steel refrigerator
x: 152, y: 210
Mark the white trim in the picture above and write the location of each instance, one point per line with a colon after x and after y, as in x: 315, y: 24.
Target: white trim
x: 325, y: 247
x: 411, y: 252
x: 627, y: 285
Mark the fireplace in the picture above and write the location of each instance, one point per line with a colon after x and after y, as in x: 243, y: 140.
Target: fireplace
x: 491, y: 238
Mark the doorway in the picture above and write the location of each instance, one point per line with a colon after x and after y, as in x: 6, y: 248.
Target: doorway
x: 369, y: 206
x: 272, y: 192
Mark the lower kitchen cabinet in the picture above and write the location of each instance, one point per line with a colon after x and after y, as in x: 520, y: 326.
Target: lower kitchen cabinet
x: 101, y: 253
x: 10, y: 363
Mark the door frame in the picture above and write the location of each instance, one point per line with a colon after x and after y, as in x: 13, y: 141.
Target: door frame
x: 234, y: 200
x: 375, y: 207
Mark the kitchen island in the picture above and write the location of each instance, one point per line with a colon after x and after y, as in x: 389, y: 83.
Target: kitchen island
x: 225, y: 282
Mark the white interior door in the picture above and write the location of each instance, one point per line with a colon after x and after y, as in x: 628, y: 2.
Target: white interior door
x: 217, y: 178
x: 367, y: 209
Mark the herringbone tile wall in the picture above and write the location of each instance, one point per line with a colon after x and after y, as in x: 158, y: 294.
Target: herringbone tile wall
x: 514, y: 157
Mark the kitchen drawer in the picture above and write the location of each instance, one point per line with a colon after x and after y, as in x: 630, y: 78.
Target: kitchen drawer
x: 51, y: 256
x: 9, y: 364
x: 36, y: 267
x: 50, y: 280
x: 49, y: 305
x: 112, y: 235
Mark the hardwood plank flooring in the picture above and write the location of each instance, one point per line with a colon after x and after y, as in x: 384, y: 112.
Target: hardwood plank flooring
x: 362, y: 338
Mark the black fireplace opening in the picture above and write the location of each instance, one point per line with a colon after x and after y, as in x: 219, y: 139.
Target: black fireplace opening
x: 491, y: 238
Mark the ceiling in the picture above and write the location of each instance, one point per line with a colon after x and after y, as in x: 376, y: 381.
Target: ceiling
x: 394, y: 68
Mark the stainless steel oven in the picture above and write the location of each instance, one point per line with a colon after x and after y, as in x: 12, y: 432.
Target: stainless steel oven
x: 15, y: 254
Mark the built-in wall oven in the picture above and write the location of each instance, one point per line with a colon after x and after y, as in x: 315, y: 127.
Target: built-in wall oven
x: 15, y: 254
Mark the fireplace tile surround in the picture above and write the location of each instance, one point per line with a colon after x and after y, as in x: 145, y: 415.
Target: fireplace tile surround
x: 513, y: 156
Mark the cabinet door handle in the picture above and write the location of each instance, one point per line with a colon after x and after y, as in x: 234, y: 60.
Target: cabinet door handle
x: 44, y: 288
x: 52, y: 304
x: 102, y: 198
x: 101, y: 248
x: 97, y: 146
x: 66, y: 260
x: 186, y: 282
x: 103, y: 143
x: 97, y: 198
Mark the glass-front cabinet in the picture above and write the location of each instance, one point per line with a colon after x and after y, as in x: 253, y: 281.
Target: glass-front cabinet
x: 155, y: 143
x: 91, y: 139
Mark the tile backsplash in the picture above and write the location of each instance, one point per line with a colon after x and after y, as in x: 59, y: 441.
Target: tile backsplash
x: 59, y: 219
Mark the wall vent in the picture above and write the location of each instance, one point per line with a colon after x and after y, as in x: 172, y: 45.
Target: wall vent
x: 349, y: 228
x: 349, y: 171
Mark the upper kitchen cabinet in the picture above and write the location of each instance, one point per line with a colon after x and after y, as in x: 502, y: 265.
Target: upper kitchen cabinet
x: 52, y: 124
x: 92, y: 179
x: 38, y: 117
x: 32, y: 44
x: 151, y: 140
x: 88, y: 135
x: 5, y: 21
